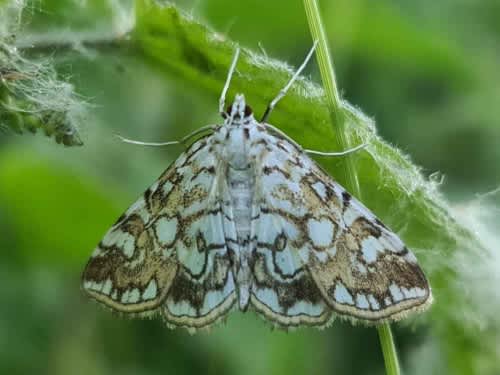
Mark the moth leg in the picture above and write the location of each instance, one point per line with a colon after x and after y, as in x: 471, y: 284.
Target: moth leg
x: 278, y: 132
x: 182, y: 141
x: 339, y: 153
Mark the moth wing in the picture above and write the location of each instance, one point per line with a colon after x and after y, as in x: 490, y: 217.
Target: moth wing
x: 369, y: 274
x: 283, y: 289
x: 204, y: 288
x: 309, y: 225
x: 168, y: 249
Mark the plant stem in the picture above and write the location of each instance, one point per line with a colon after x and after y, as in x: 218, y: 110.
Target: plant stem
x: 332, y: 93
x: 388, y: 349
x: 338, y: 122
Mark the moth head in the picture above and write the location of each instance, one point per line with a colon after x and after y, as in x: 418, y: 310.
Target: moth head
x: 238, y: 111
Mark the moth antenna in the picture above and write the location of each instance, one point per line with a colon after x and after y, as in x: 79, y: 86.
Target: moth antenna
x: 222, y: 100
x: 285, y: 89
x: 141, y: 143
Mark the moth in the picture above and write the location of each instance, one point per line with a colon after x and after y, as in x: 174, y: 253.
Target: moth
x: 245, y: 219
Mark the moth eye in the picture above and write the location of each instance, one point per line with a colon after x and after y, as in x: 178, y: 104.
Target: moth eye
x: 248, y: 111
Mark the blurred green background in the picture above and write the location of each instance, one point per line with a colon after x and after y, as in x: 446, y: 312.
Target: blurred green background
x: 427, y: 71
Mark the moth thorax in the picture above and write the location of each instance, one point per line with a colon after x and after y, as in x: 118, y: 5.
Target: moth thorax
x: 236, y: 147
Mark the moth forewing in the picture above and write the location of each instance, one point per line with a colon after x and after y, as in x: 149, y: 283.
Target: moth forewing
x: 371, y: 275
x: 128, y: 271
x: 311, y: 232
x: 168, y: 248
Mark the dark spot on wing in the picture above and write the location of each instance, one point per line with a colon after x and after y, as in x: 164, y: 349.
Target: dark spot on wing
x: 346, y: 198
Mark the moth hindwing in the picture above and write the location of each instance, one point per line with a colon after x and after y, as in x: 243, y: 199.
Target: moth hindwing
x: 244, y: 218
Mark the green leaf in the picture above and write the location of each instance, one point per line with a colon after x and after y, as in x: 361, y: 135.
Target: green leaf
x: 177, y: 45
